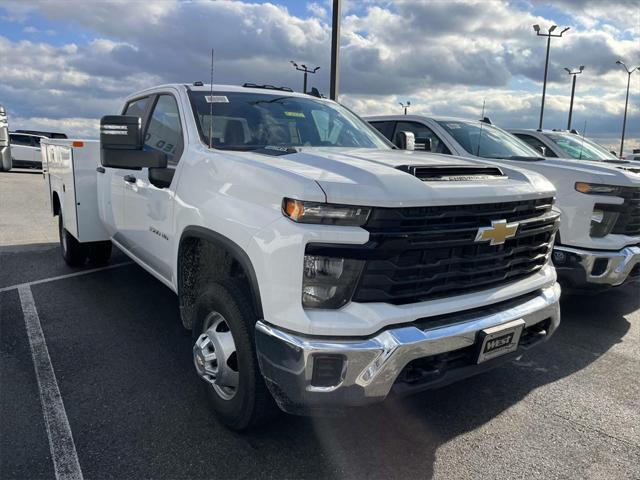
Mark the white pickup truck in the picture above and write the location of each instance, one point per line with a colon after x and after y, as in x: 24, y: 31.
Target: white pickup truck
x: 315, y: 264
x: 598, y: 245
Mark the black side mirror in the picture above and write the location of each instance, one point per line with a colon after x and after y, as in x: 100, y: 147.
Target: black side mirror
x: 425, y: 144
x: 121, y: 144
x: 405, y: 141
x: 613, y: 152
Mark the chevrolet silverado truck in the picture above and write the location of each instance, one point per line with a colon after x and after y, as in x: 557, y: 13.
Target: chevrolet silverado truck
x: 318, y: 267
x: 5, y: 147
x: 598, y: 245
x: 569, y: 144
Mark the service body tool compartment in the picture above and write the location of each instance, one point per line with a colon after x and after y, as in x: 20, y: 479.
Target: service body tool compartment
x: 70, y: 171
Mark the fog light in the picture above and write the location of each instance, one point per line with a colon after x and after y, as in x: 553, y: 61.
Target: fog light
x: 327, y: 370
x: 599, y: 266
x: 328, y: 282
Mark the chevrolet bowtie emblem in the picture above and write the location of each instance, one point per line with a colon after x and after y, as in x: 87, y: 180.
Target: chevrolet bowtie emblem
x: 497, y: 233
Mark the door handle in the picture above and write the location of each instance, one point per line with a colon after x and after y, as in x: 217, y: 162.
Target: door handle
x: 100, y: 170
x: 129, y: 179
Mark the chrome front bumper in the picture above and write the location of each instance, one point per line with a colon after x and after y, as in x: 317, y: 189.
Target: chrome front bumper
x: 580, y: 266
x: 370, y: 367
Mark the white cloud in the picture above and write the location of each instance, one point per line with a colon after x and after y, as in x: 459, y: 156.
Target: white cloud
x: 444, y: 55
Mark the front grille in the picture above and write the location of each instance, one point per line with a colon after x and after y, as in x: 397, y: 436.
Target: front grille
x: 422, y: 253
x: 628, y: 222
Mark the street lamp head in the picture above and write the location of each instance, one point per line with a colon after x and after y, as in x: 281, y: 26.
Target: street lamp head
x: 316, y: 69
x: 581, y: 68
x: 564, y: 30
x: 293, y: 63
x: 536, y: 28
x: 408, y: 103
x: 552, y: 28
x: 568, y: 70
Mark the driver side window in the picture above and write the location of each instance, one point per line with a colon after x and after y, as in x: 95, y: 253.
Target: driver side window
x: 422, y: 134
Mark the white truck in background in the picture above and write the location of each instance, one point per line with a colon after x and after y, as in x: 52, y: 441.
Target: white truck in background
x: 5, y: 146
x: 598, y: 245
x: 315, y: 264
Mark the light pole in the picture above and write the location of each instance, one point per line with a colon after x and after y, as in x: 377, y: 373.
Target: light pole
x: 336, y: 16
x: 303, y: 68
x: 574, y: 74
x: 626, y: 102
x: 405, y: 106
x: 549, y: 34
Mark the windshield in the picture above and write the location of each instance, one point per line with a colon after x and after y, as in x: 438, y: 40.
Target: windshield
x: 248, y: 121
x: 487, y: 141
x: 574, y: 146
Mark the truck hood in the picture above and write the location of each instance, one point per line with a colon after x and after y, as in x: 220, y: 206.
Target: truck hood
x: 557, y: 169
x: 371, y: 177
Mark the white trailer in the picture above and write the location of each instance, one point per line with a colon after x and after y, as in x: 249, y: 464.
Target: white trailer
x: 69, y: 167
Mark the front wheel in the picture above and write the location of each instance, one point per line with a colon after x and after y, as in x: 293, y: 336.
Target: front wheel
x: 225, y: 358
x: 73, y: 252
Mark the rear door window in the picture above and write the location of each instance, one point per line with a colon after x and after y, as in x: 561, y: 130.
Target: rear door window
x: 21, y: 140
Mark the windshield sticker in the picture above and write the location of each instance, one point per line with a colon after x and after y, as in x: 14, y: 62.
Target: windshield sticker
x: 295, y: 114
x: 453, y: 125
x: 216, y: 99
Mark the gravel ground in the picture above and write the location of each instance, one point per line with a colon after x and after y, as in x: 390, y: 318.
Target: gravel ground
x: 122, y: 363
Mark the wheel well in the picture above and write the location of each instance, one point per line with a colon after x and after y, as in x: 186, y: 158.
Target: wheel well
x: 205, y: 259
x: 55, y: 201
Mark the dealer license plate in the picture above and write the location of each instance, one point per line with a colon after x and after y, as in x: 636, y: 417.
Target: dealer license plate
x: 499, y: 340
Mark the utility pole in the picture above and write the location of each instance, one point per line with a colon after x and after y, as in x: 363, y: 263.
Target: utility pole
x: 574, y: 74
x: 626, y: 103
x: 549, y: 34
x: 335, y: 49
x: 405, y: 106
x: 303, y: 68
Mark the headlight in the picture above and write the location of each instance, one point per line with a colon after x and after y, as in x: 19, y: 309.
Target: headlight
x: 325, y: 213
x: 597, y: 189
x: 328, y: 282
x: 602, y: 221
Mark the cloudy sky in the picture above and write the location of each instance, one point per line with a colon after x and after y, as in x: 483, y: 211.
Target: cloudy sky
x: 67, y: 63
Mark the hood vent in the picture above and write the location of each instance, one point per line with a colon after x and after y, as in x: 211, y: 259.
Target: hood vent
x: 453, y: 173
x: 631, y: 169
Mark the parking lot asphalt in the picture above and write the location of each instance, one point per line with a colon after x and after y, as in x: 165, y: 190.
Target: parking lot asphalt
x: 135, y: 408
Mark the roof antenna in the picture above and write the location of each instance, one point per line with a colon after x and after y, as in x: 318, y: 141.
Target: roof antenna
x: 481, y: 125
x: 584, y: 131
x: 211, y: 105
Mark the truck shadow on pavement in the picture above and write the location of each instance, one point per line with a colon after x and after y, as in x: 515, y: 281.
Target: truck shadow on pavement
x: 136, y: 408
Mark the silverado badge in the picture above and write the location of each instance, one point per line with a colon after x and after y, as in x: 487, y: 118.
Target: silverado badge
x: 497, y: 233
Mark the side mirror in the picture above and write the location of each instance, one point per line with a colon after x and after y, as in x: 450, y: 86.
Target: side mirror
x: 613, y: 152
x: 425, y: 144
x: 405, y: 141
x: 121, y: 144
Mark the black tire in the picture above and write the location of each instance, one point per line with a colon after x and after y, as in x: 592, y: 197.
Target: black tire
x: 73, y: 252
x: 99, y: 253
x: 252, y: 405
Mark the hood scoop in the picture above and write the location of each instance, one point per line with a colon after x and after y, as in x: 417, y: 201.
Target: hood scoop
x: 453, y: 173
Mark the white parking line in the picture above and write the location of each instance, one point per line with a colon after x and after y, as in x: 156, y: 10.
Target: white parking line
x: 62, y: 277
x: 61, y: 445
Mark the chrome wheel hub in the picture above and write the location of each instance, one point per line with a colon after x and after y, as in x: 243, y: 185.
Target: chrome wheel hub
x: 215, y: 357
